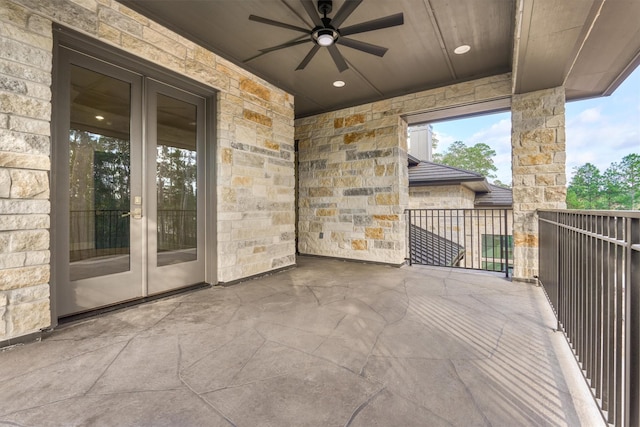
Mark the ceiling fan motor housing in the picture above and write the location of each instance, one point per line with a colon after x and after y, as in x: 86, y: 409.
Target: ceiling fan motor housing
x: 325, y: 35
x: 325, y: 6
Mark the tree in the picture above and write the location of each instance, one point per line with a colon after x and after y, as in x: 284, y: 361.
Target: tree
x: 477, y: 158
x: 630, y: 181
x: 615, y: 188
x: 612, y: 192
x: 584, y: 190
x: 434, y: 142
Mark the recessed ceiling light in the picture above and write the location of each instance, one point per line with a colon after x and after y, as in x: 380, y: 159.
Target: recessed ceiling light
x: 100, y: 118
x: 339, y: 83
x: 462, y: 49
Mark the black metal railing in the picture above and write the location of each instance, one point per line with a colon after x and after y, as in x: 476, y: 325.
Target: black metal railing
x: 103, y: 232
x: 98, y: 232
x: 477, y: 239
x: 590, y: 270
x: 177, y: 229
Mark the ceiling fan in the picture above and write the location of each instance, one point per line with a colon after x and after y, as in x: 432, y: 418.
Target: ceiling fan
x: 327, y: 33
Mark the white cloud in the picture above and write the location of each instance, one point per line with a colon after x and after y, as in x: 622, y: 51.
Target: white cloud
x: 496, y: 136
x: 600, y: 139
x: 444, y: 141
x: 503, y: 162
x: 590, y: 115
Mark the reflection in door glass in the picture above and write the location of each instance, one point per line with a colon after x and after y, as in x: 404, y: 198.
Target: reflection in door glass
x: 99, y: 175
x: 176, y: 184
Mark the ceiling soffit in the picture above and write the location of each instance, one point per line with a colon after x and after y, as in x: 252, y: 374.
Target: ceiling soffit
x: 587, y: 45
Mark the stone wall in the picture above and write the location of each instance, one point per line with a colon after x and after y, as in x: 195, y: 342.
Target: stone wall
x: 538, y: 165
x: 25, y: 108
x: 353, y: 185
x: 254, y: 150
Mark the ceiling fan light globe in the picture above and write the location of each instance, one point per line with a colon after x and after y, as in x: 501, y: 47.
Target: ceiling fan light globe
x: 324, y: 37
x: 325, y: 40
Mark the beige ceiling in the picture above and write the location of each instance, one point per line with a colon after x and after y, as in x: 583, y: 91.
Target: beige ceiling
x: 590, y: 46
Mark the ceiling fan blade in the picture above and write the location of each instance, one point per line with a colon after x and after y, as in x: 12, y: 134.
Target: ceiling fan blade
x: 278, y: 24
x: 310, y: 7
x: 308, y: 58
x: 376, y: 24
x: 294, y: 42
x: 347, y: 9
x: 337, y: 58
x: 363, y: 46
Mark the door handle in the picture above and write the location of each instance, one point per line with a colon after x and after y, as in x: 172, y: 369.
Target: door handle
x: 136, y: 214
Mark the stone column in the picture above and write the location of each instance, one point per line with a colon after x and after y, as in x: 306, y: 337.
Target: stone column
x: 538, y: 167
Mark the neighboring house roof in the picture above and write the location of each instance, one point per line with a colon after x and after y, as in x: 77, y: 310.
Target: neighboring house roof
x: 498, y: 196
x: 429, y: 173
x: 424, y: 173
x: 430, y: 249
x: 413, y: 161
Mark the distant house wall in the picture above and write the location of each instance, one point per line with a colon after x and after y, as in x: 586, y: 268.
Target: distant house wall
x: 254, y: 162
x: 441, y: 197
x: 421, y: 142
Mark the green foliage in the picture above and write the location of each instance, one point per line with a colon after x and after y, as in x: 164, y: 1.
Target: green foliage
x: 616, y: 188
x: 501, y: 184
x: 477, y: 158
x: 630, y: 180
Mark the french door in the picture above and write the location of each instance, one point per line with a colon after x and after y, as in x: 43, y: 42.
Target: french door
x: 129, y: 185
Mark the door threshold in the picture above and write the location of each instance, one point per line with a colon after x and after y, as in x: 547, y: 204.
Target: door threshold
x: 131, y: 303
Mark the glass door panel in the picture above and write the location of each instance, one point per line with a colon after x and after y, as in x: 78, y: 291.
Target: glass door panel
x: 99, y: 172
x: 176, y: 238
x: 176, y: 181
x: 99, y: 175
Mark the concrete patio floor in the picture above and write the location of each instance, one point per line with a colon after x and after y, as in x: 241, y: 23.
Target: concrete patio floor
x: 329, y: 343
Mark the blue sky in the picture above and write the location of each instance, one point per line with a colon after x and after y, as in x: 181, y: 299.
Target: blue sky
x: 599, y: 130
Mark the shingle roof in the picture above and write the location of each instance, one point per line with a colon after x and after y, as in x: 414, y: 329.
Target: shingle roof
x: 499, y: 196
x: 434, y: 173
x: 422, y: 173
x: 428, y: 248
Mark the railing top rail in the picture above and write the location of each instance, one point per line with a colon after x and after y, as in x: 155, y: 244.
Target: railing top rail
x: 459, y: 209
x: 623, y: 214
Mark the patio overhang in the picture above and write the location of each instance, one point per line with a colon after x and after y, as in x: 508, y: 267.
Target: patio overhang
x: 589, y: 47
